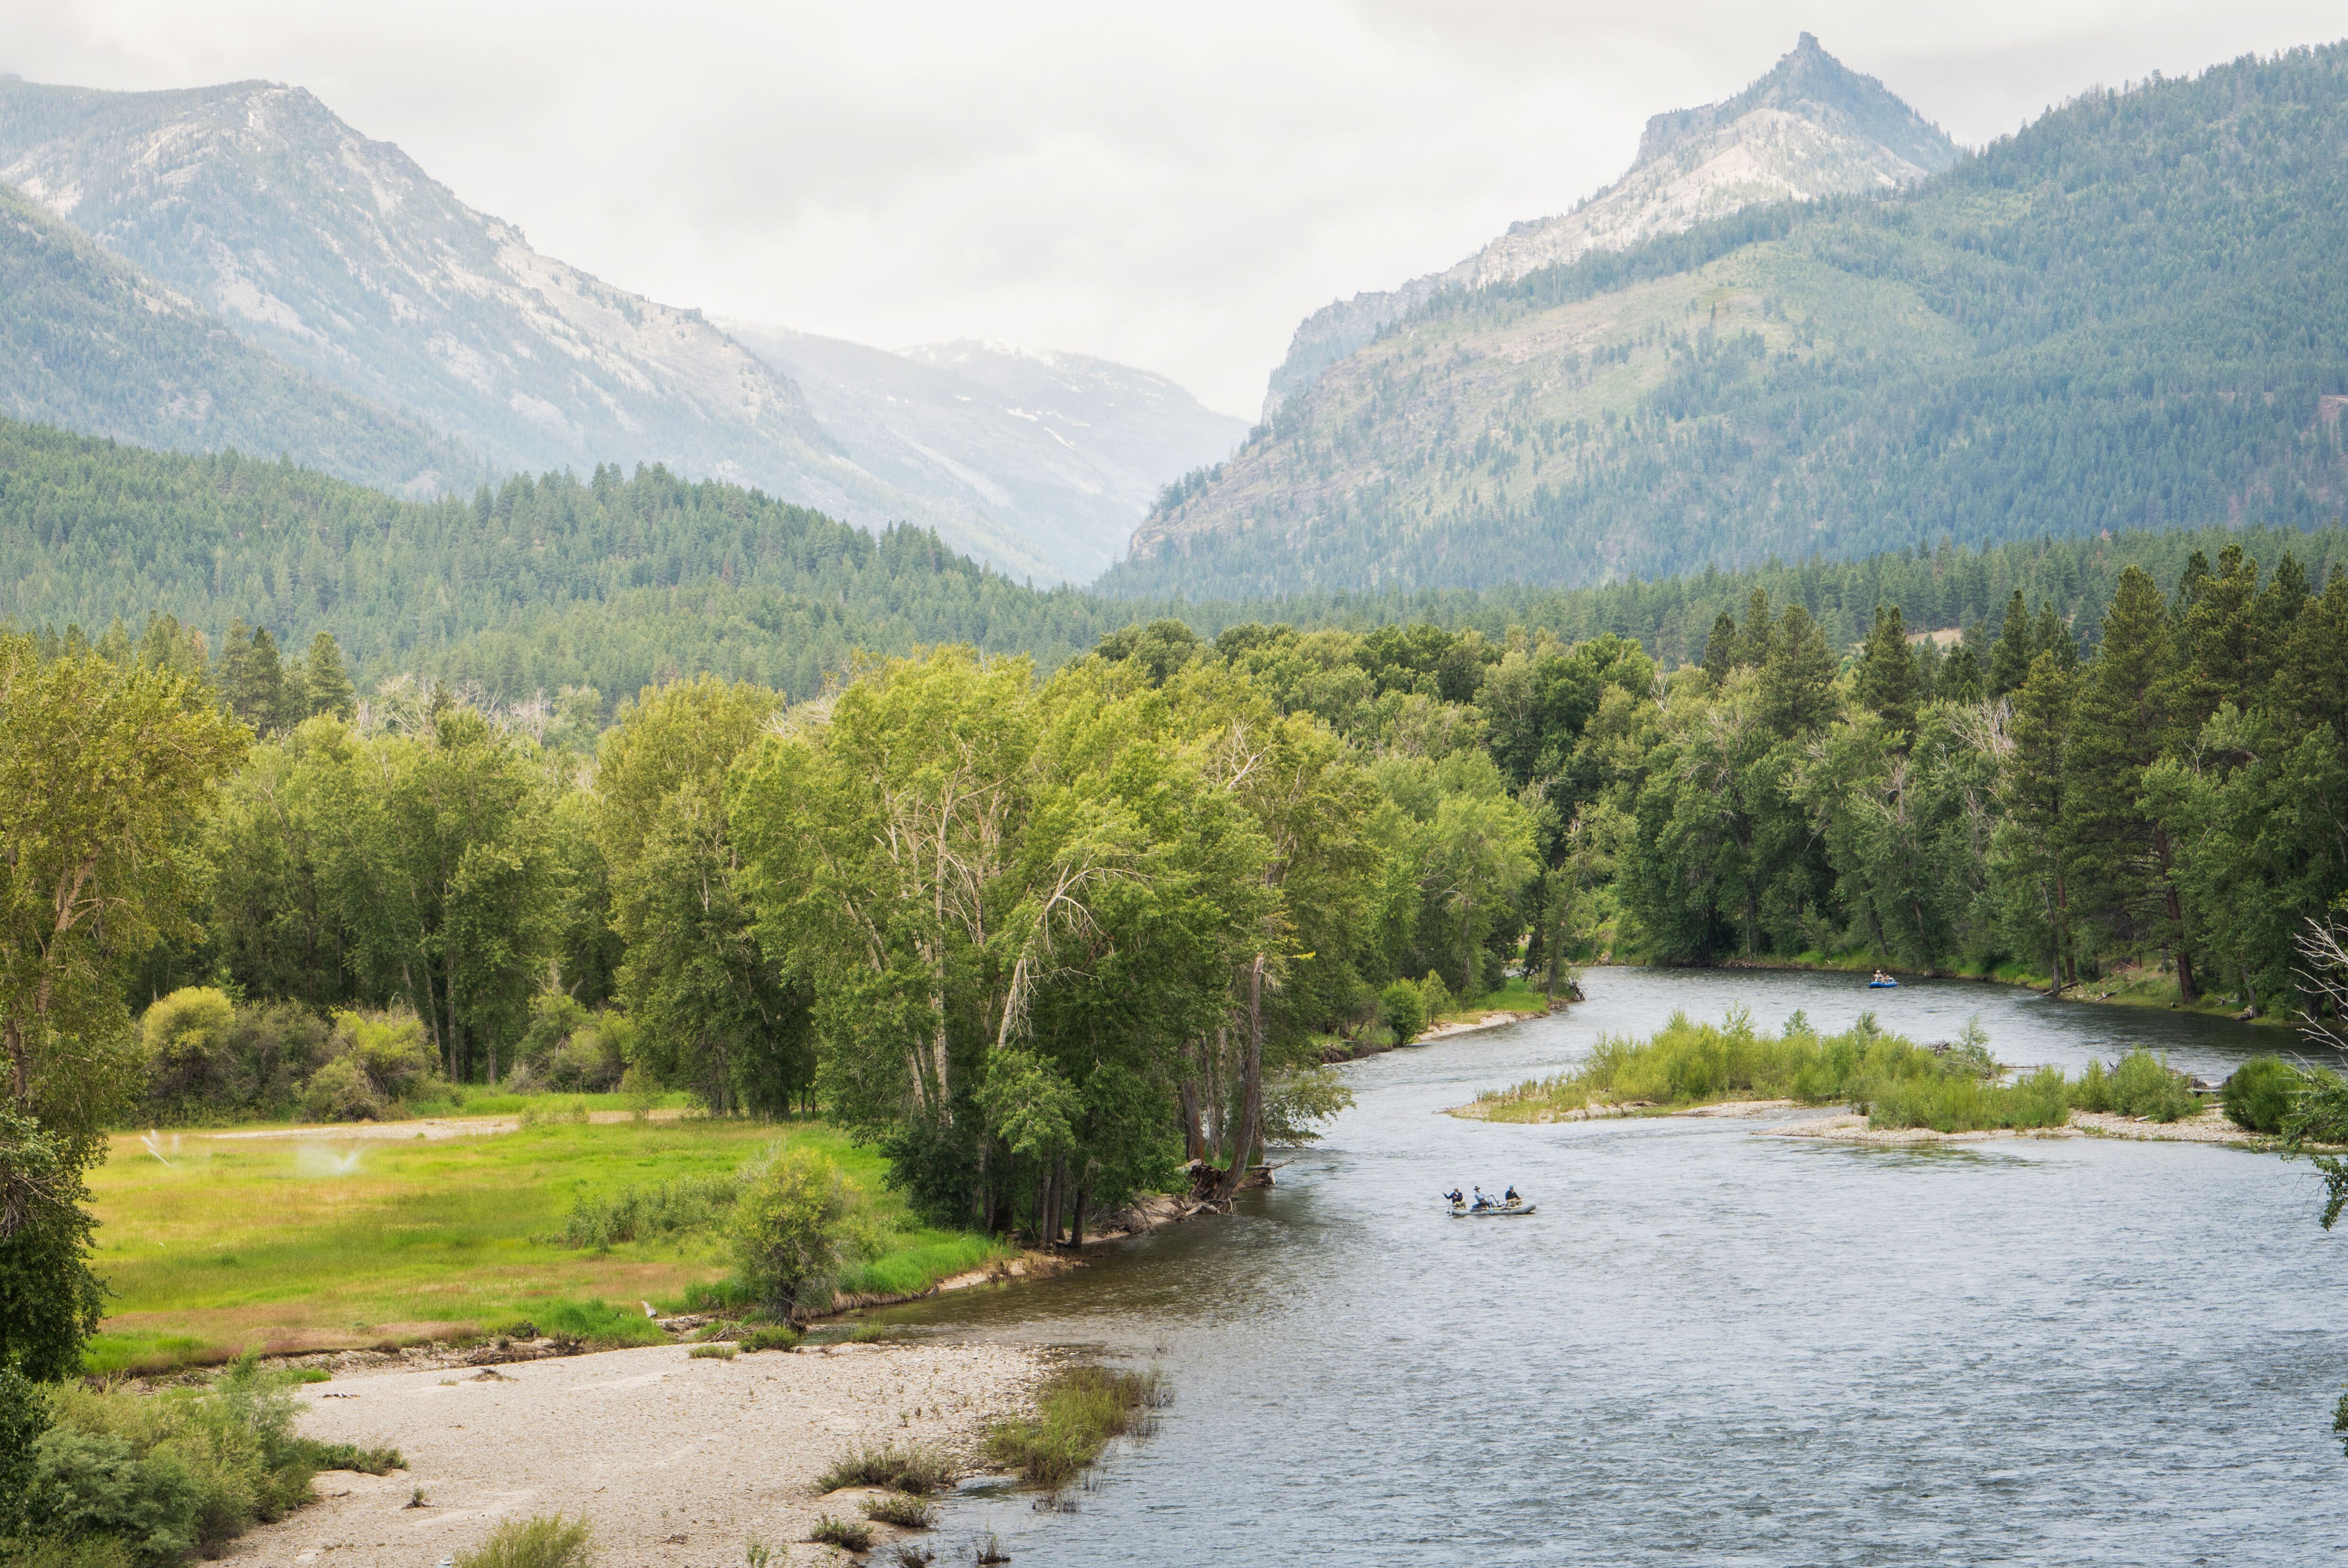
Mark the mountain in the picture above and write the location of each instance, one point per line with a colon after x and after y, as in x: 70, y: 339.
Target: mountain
x: 88, y: 342
x: 341, y: 256
x: 2125, y: 315
x: 1810, y: 128
x: 1055, y: 453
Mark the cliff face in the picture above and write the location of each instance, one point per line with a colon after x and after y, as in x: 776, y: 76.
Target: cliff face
x: 1809, y: 129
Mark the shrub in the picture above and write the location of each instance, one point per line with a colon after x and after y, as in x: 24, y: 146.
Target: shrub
x: 23, y: 1417
x: 1433, y: 996
x: 2318, y: 1113
x: 906, y: 1512
x: 374, y: 1062
x: 1078, y: 1411
x: 180, y: 1471
x: 664, y: 1208
x: 793, y: 1229
x: 1403, y: 1013
x: 774, y: 1338
x: 342, y: 1091
x: 916, y: 1471
x: 721, y: 1352
x: 540, y: 1542
x: 185, y: 1038
x: 2258, y: 1094
x: 847, y: 1534
x: 2145, y: 1086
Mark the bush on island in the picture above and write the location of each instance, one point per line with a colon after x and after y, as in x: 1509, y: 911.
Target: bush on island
x: 2258, y: 1094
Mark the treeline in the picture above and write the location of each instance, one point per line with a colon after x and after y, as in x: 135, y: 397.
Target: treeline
x: 561, y: 596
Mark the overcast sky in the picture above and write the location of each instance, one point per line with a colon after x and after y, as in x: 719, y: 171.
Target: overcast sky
x: 1173, y: 186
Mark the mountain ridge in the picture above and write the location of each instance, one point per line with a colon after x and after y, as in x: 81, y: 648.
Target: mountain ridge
x: 1807, y: 128
x: 2120, y: 317
x: 90, y: 344
x: 342, y: 256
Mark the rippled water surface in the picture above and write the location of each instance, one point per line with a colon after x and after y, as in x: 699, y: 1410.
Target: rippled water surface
x: 1711, y: 1347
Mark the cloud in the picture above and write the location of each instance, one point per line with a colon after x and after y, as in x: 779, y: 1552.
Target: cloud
x: 1171, y: 186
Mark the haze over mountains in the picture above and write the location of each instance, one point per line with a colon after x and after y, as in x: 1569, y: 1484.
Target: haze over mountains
x: 2126, y: 315
x: 1811, y: 127
x: 340, y: 257
x: 1075, y: 448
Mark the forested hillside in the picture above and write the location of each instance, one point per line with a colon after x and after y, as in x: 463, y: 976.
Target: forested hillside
x: 618, y: 581
x: 2122, y: 316
x: 89, y: 344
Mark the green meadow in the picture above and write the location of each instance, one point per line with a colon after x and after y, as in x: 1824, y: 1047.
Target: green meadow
x: 213, y: 1243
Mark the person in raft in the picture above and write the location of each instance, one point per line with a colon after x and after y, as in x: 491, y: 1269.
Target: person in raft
x: 1454, y: 1196
x: 1511, y: 1198
x: 1481, y: 1201
x: 1880, y: 976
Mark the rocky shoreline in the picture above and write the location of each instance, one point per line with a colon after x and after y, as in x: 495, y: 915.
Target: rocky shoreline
x: 672, y: 1459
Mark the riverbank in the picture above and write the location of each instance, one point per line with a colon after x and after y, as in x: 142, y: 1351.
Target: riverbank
x: 2130, y: 987
x: 673, y: 1460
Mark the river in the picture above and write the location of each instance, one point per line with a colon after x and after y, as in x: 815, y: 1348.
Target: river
x: 1712, y: 1347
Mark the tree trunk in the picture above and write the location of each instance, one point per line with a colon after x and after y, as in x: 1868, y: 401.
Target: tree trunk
x: 2186, y: 990
x: 1076, y: 1227
x: 1251, y: 1106
x: 1194, y: 1135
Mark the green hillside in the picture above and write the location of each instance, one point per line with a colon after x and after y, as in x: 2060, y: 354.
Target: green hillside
x: 88, y: 344
x: 614, y: 582
x: 2125, y: 316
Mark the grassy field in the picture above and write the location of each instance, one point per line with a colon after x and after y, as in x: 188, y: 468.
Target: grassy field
x: 213, y: 1243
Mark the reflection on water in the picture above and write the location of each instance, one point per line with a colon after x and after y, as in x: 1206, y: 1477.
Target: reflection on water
x: 1710, y: 1347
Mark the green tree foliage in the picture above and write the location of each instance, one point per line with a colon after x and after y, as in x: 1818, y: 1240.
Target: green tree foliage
x: 793, y: 1229
x: 104, y: 771
x: 715, y: 1012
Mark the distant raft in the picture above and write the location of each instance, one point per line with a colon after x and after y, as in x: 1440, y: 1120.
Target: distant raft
x: 1490, y: 1210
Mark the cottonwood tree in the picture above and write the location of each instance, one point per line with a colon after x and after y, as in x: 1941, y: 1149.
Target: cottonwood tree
x: 714, y: 1010
x: 105, y: 770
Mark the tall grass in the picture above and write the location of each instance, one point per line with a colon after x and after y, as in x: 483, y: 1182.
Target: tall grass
x: 233, y: 1245
x: 540, y: 1542
x: 654, y: 1209
x: 1078, y: 1409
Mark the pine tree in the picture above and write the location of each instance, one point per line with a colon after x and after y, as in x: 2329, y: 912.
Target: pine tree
x: 330, y: 685
x: 1754, y: 645
x: 1887, y: 674
x: 1798, y: 683
x: 2217, y: 658
x: 1720, y: 648
x: 2121, y: 858
x: 2051, y: 636
x: 252, y: 679
x: 2009, y: 662
x: 2032, y: 834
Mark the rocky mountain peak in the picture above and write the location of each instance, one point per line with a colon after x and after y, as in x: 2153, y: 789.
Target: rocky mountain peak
x: 1809, y: 128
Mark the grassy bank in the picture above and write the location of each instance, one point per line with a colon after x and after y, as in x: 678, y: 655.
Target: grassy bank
x: 1895, y: 1081
x: 215, y: 1244
x: 1078, y: 1409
